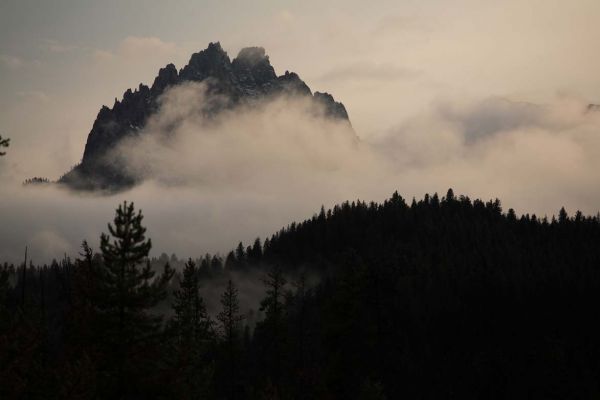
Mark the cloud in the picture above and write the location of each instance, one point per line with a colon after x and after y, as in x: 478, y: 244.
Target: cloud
x: 261, y: 144
x: 11, y: 62
x: 137, y: 49
x: 134, y: 46
x: 103, y: 56
x: 34, y: 95
x: 48, y: 244
x: 399, y: 24
x: 54, y: 46
x: 213, y: 181
x: 534, y: 157
x: 284, y: 18
x: 492, y: 116
x: 368, y: 72
x: 134, y: 59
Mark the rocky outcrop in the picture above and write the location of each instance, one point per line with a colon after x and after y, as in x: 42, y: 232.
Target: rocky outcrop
x: 247, y: 78
x: 332, y: 108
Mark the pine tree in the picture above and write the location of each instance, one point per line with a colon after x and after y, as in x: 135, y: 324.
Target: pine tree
x: 191, y: 319
x: 192, y: 326
x: 230, y: 319
x: 230, y: 261
x: 256, y: 252
x: 78, y: 374
x: 511, y: 216
x: 299, y: 303
x: 82, y: 315
x: 127, y: 292
x: 216, y: 265
x: 4, y: 287
x: 273, y: 307
x: 563, y: 217
x: 240, y: 256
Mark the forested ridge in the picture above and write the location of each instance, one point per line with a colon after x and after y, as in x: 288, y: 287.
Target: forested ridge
x: 438, y: 298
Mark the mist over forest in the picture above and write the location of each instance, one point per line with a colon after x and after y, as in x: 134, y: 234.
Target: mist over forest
x: 247, y: 174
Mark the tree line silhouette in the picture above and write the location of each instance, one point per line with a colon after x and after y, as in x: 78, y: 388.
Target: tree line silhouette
x: 440, y: 298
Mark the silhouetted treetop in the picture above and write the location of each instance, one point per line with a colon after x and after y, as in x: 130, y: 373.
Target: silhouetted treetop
x: 4, y: 142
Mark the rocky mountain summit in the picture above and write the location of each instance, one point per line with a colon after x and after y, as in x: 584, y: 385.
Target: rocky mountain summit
x: 246, y: 78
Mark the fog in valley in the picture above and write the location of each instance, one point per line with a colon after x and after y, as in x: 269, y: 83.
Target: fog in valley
x: 210, y: 182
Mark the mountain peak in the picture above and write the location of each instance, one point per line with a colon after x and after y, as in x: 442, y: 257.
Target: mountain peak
x: 332, y: 108
x: 215, y: 47
x: 166, y: 76
x: 248, y: 77
x: 252, y: 56
x: 253, y: 69
x: 213, y: 61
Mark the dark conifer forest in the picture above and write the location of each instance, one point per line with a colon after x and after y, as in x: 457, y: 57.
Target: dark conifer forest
x: 444, y: 297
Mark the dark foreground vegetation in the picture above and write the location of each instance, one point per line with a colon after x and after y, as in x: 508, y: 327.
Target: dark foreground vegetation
x: 441, y: 298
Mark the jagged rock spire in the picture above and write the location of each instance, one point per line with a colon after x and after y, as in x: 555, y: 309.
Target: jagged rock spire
x: 249, y: 76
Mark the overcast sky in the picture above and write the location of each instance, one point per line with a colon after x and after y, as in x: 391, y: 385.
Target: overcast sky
x: 424, y: 80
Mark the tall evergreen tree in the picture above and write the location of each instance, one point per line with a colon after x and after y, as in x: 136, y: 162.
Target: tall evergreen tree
x: 230, y: 261
x: 298, y: 302
x: 85, y: 296
x: 563, y: 216
x: 273, y: 306
x: 191, y: 319
x: 192, y: 326
x: 129, y: 290
x: 230, y: 316
x: 83, y: 329
x: 255, y: 252
x: 241, y: 257
x: 230, y: 319
x: 216, y: 264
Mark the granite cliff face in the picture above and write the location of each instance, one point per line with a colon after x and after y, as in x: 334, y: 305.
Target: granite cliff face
x: 247, y: 78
